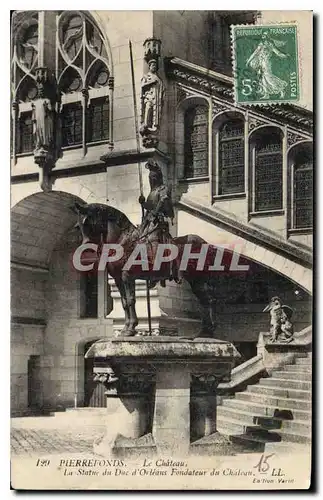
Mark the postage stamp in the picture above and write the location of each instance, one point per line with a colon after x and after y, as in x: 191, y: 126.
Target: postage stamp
x: 161, y: 251
x: 265, y: 64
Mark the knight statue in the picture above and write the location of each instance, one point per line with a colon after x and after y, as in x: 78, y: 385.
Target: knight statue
x: 281, y: 326
x: 157, y: 210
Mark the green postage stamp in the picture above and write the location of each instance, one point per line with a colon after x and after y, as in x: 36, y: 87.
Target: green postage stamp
x: 265, y: 63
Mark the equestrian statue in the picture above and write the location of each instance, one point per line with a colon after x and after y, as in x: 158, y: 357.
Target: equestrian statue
x: 103, y: 224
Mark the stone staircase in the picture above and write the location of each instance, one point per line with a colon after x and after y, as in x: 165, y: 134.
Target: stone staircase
x: 275, y: 410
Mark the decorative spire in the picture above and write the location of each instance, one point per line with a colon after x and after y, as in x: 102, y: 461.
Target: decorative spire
x: 152, y: 48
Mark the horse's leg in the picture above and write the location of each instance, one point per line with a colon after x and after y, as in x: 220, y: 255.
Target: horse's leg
x: 130, y: 290
x: 203, y: 293
x: 121, y: 287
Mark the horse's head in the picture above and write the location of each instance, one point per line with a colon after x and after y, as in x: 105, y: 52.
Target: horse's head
x: 88, y: 221
x: 101, y: 223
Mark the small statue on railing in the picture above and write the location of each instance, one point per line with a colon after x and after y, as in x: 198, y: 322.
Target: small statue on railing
x: 281, y: 326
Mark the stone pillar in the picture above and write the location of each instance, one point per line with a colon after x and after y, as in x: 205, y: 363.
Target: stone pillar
x: 129, y: 392
x: 172, y: 409
x: 203, y: 405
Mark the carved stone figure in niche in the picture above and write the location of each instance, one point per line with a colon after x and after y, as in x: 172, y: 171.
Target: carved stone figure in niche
x: 46, y: 127
x: 43, y: 120
x: 152, y: 96
x: 281, y: 326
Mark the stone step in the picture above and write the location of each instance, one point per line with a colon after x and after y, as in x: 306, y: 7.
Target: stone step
x: 234, y: 427
x: 290, y: 375
x: 273, y: 442
x: 288, y: 383
x: 83, y: 413
x: 258, y: 407
x: 278, y: 402
x: 279, y: 391
x: 297, y: 368
x: 265, y: 422
x: 303, y: 361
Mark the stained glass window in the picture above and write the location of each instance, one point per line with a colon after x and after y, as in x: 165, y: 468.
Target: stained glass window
x: 78, y: 54
x: 303, y: 190
x: 196, y: 142
x: 25, y: 142
x: 98, y: 120
x: 231, y: 157
x: 268, y: 173
x: 72, y: 124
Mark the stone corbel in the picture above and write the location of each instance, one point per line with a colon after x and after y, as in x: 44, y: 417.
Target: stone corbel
x: 105, y: 376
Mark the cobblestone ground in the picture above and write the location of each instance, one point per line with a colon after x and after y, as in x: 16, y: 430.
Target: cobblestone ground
x: 55, y: 434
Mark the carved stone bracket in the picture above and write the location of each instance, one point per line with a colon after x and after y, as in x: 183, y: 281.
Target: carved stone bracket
x: 292, y: 138
x: 218, y: 107
x: 106, y: 376
x: 183, y: 92
x: 46, y: 122
x: 208, y: 382
x: 125, y: 378
x: 256, y: 122
x: 134, y: 383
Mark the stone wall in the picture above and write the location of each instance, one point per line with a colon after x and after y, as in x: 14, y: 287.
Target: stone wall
x: 66, y: 333
x: 26, y: 341
x: 28, y: 293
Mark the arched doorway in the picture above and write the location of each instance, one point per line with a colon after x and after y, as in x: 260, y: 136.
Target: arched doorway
x: 39, y: 375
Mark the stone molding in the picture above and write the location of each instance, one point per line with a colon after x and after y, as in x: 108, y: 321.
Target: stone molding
x: 253, y: 234
x: 222, y: 86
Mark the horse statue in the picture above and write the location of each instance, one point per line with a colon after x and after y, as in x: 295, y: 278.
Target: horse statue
x: 102, y: 224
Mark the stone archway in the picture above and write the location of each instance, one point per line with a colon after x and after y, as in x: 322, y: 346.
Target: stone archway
x: 255, y: 251
x: 38, y: 223
x: 240, y: 301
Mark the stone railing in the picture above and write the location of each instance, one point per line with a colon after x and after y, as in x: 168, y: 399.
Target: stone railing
x: 270, y: 356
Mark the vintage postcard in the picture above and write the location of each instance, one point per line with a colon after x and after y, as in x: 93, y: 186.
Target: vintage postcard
x: 161, y: 250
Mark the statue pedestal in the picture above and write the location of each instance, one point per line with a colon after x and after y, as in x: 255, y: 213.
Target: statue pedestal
x: 162, y: 390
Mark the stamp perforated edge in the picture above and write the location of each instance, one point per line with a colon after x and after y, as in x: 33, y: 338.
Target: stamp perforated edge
x: 233, y: 27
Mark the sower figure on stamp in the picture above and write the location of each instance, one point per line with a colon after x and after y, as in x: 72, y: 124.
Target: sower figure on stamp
x: 158, y: 207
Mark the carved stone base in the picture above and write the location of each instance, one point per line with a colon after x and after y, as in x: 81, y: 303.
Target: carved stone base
x: 166, y: 386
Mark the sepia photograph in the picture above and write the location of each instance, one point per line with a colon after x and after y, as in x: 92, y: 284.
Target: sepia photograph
x: 161, y: 249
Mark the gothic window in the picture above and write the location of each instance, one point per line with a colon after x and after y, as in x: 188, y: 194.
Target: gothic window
x: 74, y: 49
x: 72, y: 124
x: 84, y: 79
x: 268, y: 171
x: 23, y: 84
x: 302, y: 194
x: 98, y: 126
x: 231, y: 157
x: 25, y: 139
x: 196, y: 142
